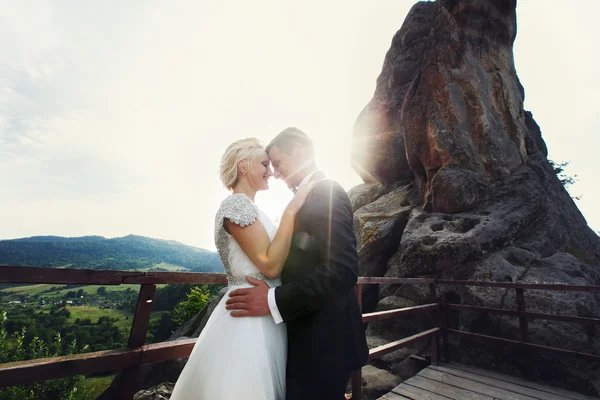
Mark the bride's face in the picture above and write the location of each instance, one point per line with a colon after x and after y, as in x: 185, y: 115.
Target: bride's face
x: 260, y: 172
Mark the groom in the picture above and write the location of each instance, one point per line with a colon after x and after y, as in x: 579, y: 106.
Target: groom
x: 326, y: 339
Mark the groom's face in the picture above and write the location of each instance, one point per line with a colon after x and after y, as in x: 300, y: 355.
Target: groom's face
x: 285, y: 166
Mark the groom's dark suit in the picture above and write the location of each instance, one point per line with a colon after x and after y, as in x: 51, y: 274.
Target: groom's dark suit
x: 326, y: 338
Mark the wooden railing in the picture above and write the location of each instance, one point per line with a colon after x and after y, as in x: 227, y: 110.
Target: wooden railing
x: 129, y: 360
x: 432, y: 308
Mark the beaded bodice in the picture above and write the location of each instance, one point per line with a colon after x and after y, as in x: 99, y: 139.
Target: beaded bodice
x: 240, y: 210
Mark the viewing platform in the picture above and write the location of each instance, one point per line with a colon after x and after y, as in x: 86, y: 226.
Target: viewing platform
x: 436, y: 381
x: 461, y: 382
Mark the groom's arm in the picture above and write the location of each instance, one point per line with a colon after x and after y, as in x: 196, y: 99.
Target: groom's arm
x: 330, y: 217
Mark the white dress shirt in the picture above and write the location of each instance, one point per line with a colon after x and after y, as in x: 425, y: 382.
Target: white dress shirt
x: 271, y: 295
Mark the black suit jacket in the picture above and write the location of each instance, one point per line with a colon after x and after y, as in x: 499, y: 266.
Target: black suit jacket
x: 317, y: 299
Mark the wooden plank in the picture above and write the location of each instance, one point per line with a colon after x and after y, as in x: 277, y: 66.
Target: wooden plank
x: 358, y: 289
x: 23, y: 372
x: 381, y: 315
x: 523, y: 382
x: 523, y: 324
x: 444, y: 389
x: 444, y: 327
x: 435, y: 349
x: 416, y: 393
x: 13, y: 274
x: 588, y: 356
x: 435, y: 316
x: 356, y: 378
x: 388, y: 348
x: 157, y: 352
x: 19, y: 274
x: 494, y: 392
x: 532, y: 315
x: 128, y: 383
x: 512, y: 387
x: 141, y: 318
x: 394, y: 396
x: 369, y: 280
x: 177, y: 278
x: 523, y: 285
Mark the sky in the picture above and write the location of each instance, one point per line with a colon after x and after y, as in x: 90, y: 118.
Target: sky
x: 114, y: 115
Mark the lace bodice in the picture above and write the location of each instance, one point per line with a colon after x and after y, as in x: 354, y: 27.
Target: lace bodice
x: 241, y: 210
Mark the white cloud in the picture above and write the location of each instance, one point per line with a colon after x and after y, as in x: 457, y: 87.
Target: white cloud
x: 115, y: 114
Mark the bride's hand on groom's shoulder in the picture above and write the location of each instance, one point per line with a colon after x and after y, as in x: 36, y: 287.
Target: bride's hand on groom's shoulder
x: 300, y: 198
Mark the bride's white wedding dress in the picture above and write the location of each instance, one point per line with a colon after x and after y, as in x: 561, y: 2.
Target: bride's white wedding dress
x: 236, y: 358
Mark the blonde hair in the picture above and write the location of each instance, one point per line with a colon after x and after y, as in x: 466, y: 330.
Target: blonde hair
x: 248, y: 149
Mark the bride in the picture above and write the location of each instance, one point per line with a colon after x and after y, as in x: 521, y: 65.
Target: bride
x: 243, y: 358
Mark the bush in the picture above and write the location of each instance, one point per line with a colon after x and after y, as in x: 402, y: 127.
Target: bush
x: 187, y: 309
x: 15, y: 349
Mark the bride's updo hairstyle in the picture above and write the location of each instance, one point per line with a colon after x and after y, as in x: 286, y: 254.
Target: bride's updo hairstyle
x: 245, y: 149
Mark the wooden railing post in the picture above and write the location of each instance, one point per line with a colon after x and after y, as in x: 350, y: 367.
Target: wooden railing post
x: 357, y: 375
x: 523, y: 325
x: 128, y: 382
x: 444, y: 328
x: 524, y: 329
x: 358, y: 289
x: 435, y: 316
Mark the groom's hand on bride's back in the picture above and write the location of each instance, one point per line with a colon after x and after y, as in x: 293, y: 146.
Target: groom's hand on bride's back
x: 249, y: 302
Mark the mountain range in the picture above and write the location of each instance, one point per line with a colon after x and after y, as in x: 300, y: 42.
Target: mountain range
x: 130, y: 252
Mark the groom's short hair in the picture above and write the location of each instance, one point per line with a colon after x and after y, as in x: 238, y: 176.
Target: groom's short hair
x: 287, y: 138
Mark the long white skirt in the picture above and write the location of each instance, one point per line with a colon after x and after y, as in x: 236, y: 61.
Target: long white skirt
x: 235, y: 358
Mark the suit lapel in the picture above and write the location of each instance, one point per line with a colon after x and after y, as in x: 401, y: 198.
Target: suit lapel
x: 317, y: 176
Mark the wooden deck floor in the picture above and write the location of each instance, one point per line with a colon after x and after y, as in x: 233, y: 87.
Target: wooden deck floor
x: 460, y: 382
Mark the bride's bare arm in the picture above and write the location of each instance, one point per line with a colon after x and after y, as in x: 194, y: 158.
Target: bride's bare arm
x: 268, y: 256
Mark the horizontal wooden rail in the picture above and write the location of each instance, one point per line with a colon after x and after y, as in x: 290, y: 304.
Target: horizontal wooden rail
x: 41, y: 369
x: 369, y: 280
x: 381, y: 315
x: 377, y: 352
x: 22, y: 274
x: 524, y: 344
x: 532, y: 315
x: 523, y: 285
x: 157, y: 278
x: 14, y: 274
x: 164, y: 351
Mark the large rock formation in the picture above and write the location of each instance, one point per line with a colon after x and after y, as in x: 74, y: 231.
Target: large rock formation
x: 457, y: 185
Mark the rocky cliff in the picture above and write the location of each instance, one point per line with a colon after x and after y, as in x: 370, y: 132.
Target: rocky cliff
x: 458, y: 185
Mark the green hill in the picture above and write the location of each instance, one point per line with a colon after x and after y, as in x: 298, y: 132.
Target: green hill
x: 96, y: 252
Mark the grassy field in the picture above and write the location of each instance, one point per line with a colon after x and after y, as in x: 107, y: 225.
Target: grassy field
x: 26, y: 290
x: 169, y: 267
x: 13, y: 293
x: 94, y: 314
x: 92, y: 387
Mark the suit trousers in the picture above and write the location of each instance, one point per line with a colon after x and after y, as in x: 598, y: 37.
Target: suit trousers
x: 326, y: 387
